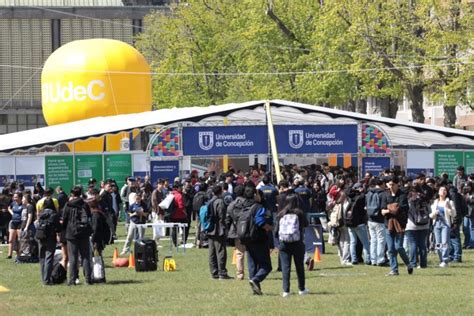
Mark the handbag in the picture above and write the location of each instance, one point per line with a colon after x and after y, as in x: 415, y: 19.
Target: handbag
x: 393, y: 208
x: 158, y: 232
x: 98, y: 271
x: 165, y: 204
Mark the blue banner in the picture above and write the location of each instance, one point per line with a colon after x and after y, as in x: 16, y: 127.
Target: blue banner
x: 166, y: 169
x: 316, y: 139
x: 374, y: 165
x: 225, y: 140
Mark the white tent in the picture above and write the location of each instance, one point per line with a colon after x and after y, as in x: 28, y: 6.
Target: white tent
x: 401, y: 134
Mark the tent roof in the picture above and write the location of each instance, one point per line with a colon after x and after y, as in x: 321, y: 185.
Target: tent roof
x: 401, y: 134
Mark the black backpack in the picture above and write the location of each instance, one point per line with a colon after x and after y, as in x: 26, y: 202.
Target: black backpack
x: 247, y: 230
x: 80, y: 222
x: 59, y: 274
x: 46, y: 225
x: 418, y: 212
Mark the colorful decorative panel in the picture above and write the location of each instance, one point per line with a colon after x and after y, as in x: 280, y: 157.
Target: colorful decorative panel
x: 167, y: 144
x: 374, y: 140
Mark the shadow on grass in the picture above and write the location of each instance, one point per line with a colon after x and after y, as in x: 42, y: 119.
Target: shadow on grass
x: 120, y: 282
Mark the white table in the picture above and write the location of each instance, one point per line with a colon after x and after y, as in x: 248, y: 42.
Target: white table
x: 176, y: 226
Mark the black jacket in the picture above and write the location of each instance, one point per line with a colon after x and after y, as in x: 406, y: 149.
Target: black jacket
x: 357, y: 208
x: 401, y: 199
x: 76, y: 203
x: 101, y: 234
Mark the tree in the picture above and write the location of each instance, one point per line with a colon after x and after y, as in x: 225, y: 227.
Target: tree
x: 335, y: 53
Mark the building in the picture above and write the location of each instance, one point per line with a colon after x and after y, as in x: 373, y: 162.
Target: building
x: 30, y: 30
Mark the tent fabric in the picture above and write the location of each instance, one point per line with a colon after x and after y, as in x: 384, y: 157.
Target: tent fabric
x: 401, y: 134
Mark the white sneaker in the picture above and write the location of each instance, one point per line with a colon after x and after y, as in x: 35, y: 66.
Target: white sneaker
x: 77, y: 282
x: 443, y: 265
x: 304, y: 292
x: 285, y: 294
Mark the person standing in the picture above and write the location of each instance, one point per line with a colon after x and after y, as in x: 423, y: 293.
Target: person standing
x: 376, y: 221
x: 442, y: 214
x: 258, y: 251
x: 179, y: 215
x: 217, y: 236
x: 233, y: 211
x: 77, y: 223
x: 355, y: 220
x: 455, y: 252
x: 394, y: 207
x: 416, y: 231
x: 289, y: 230
x: 15, y: 210
x: 138, y: 214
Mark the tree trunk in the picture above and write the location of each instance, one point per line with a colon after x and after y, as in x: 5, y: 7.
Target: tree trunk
x: 449, y: 116
x: 361, y: 106
x: 415, y: 93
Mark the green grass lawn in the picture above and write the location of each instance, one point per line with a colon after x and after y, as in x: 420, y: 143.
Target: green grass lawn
x: 190, y: 291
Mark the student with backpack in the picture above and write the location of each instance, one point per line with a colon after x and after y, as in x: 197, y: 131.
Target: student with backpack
x: 376, y: 221
x: 355, y: 219
x: 233, y: 211
x: 215, y: 227
x: 77, y: 223
x: 418, y: 227
x: 253, y: 226
x: 289, y: 230
x: 47, y: 226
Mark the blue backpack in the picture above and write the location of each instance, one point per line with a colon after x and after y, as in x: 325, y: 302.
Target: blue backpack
x: 206, y: 216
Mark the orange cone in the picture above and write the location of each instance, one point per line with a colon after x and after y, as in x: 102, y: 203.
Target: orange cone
x: 115, y: 256
x: 317, y: 255
x: 234, y: 256
x: 131, y: 261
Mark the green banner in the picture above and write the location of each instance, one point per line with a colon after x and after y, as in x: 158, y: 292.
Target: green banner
x: 87, y: 167
x: 118, y: 167
x: 469, y: 162
x: 59, y: 172
x: 448, y: 161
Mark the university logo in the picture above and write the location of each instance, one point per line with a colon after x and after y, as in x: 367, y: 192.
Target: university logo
x: 295, y: 138
x: 206, y: 140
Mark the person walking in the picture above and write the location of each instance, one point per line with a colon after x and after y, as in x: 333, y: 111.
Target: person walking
x: 289, y: 230
x: 442, y: 214
x: 233, y: 211
x: 394, y: 206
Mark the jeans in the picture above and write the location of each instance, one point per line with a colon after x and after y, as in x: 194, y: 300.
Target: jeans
x: 361, y: 233
x: 343, y: 245
x: 377, y: 242
x: 468, y: 230
x: 455, y: 253
x: 217, y: 256
x: 295, y: 250
x: 74, y: 248
x: 441, y: 232
x: 46, y: 259
x: 395, y: 247
x: 131, y: 233
x: 258, y: 259
x: 417, y: 242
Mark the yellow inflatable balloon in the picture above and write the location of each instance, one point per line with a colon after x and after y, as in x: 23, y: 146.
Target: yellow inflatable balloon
x: 94, y: 77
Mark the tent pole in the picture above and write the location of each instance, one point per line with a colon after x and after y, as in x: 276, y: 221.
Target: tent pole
x: 271, y: 135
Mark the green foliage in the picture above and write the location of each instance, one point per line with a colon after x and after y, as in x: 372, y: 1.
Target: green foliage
x: 217, y: 51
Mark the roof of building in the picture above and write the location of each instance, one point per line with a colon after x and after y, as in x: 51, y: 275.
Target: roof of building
x: 401, y: 134
x: 77, y: 3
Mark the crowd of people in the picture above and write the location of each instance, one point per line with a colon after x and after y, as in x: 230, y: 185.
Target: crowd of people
x: 372, y: 221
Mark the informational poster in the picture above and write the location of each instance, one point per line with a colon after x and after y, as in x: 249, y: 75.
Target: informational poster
x: 87, y: 167
x: 448, y: 162
x: 118, y: 167
x: 316, y: 139
x: 60, y: 172
x: 30, y: 170
x: 225, y: 140
x: 414, y: 172
x: 375, y: 165
x: 164, y: 169
x: 469, y: 162
x: 7, y: 171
